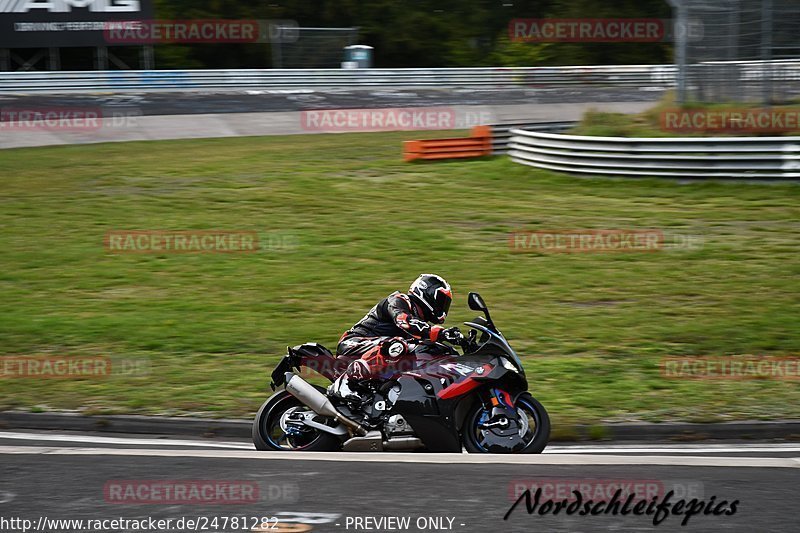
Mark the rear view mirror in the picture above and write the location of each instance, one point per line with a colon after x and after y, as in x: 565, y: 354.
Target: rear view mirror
x: 475, y: 302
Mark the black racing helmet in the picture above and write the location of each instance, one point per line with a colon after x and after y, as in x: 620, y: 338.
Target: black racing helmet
x: 433, y: 294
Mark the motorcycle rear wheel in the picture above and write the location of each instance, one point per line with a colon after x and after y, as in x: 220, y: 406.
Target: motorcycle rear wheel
x: 269, y: 435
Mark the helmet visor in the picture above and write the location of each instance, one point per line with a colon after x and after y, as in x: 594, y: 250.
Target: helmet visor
x: 442, y: 302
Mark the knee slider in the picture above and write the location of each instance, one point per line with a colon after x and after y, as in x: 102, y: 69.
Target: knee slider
x: 394, y: 349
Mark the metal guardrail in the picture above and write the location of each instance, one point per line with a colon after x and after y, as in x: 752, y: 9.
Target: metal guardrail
x: 292, y: 79
x: 501, y: 133
x: 273, y: 79
x: 709, y: 157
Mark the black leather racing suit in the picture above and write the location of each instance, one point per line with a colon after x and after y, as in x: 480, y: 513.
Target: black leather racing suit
x: 395, y: 318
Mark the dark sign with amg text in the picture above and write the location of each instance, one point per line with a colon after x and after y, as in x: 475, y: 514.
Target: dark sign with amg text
x: 64, y: 23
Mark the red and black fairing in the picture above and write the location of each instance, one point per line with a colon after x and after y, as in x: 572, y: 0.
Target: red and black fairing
x: 436, y: 398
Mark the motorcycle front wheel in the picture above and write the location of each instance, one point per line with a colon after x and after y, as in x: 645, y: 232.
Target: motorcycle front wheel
x: 534, y: 421
x: 271, y: 432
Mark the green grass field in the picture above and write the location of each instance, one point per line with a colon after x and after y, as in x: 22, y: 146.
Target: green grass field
x: 351, y: 223
x: 654, y: 122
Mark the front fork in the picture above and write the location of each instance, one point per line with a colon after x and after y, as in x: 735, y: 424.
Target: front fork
x: 500, y: 427
x: 499, y: 405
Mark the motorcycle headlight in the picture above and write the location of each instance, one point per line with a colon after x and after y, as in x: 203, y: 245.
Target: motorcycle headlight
x: 509, y: 365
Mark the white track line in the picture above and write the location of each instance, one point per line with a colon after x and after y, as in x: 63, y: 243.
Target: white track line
x: 677, y: 448
x: 434, y: 458
x: 612, y: 446
x: 133, y: 441
x: 551, y: 449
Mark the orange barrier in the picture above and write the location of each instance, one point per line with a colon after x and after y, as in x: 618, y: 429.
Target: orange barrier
x: 479, y: 144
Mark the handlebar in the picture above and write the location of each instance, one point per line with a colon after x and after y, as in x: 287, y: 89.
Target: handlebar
x: 467, y: 343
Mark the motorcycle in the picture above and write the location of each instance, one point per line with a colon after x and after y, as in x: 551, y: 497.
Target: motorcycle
x: 478, y: 400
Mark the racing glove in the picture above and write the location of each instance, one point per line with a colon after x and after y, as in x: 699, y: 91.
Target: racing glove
x: 452, y: 335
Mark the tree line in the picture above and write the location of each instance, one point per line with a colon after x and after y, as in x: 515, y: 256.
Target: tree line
x: 420, y: 33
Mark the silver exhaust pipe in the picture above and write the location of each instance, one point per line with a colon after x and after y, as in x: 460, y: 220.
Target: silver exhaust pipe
x: 402, y: 443
x: 318, y: 402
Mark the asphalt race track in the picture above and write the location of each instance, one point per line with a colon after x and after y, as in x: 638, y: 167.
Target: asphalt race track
x: 170, y: 115
x: 49, y: 476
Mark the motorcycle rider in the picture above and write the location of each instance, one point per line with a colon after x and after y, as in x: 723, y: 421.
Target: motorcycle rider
x: 380, y: 339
